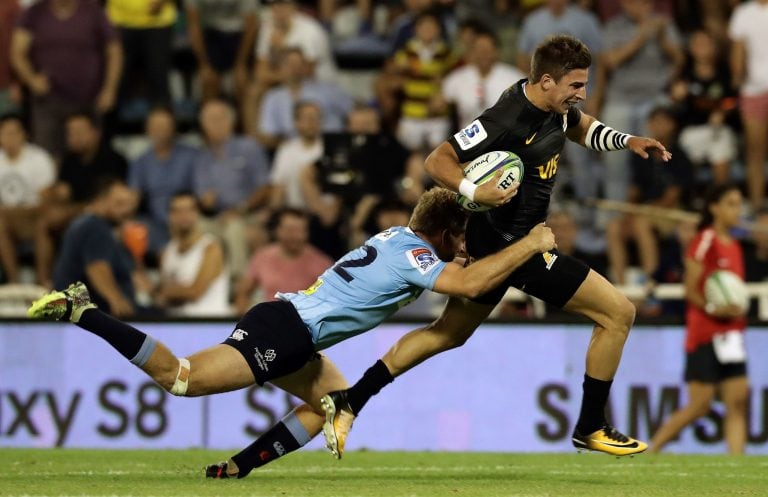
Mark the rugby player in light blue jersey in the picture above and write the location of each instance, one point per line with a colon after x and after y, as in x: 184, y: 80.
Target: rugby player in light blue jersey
x: 279, y: 341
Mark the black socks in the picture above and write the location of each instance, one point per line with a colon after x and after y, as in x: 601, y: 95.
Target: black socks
x: 374, y: 379
x: 592, y: 415
x: 130, y: 342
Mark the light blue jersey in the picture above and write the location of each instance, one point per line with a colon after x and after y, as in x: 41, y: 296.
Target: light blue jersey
x: 366, y: 286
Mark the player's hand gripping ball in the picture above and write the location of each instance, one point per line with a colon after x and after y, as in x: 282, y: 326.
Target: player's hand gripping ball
x: 482, y: 170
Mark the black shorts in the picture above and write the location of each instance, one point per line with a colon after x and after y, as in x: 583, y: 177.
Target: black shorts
x: 702, y: 365
x: 552, y: 277
x: 273, y: 339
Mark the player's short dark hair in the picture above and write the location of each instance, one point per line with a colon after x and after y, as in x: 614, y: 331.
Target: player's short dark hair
x: 437, y: 210
x: 557, y: 56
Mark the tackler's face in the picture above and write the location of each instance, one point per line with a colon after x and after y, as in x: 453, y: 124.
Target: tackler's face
x: 451, y: 246
x: 569, y: 91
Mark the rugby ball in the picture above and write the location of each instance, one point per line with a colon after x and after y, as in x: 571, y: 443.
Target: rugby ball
x: 482, y: 169
x: 725, y: 287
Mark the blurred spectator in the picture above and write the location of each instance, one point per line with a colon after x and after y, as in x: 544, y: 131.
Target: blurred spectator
x: 10, y: 91
x: 25, y: 170
x: 69, y: 56
x: 193, y: 277
x: 671, y: 268
x: 566, y: 230
x: 284, y: 26
x: 756, y: 249
x: 165, y: 169
x: 749, y: 63
x: 422, y: 64
x: 288, y: 265
x: 91, y: 253
x: 231, y: 179
x: 356, y: 170
x: 557, y: 17
x: 476, y: 86
x: 704, y: 97
x: 295, y: 154
x: 146, y: 32
x: 222, y: 34
x: 666, y: 185
x: 641, y: 55
x: 403, y: 28
x: 87, y: 161
x: 87, y: 157
x: 276, y: 115
x: 385, y: 214
x: 467, y: 30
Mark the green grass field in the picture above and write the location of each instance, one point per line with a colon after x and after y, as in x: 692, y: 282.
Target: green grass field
x: 382, y: 474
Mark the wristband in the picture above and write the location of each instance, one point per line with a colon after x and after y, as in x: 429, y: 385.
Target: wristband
x: 467, y: 188
x: 710, y: 308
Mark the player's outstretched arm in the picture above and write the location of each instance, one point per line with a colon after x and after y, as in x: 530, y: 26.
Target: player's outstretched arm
x: 489, y: 272
x: 444, y: 167
x: 595, y: 135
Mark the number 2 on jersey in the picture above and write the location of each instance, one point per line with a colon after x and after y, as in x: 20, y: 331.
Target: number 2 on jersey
x: 370, y: 256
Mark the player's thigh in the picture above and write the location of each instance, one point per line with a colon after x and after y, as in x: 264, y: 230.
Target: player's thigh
x: 601, y: 302
x: 460, y: 318
x: 220, y: 368
x: 318, y: 377
x: 700, y: 395
x: 734, y: 391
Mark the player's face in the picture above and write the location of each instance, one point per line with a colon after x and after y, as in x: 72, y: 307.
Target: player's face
x: 728, y: 209
x: 569, y: 91
x: 452, y: 245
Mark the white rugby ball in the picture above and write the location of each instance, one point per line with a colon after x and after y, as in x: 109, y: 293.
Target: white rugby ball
x: 482, y: 170
x: 725, y: 287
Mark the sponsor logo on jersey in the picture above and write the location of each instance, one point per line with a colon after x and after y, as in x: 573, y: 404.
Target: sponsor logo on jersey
x: 263, y: 359
x: 471, y: 135
x: 239, y: 335
x: 422, y: 259
x: 530, y: 139
x: 549, y: 259
x: 550, y: 168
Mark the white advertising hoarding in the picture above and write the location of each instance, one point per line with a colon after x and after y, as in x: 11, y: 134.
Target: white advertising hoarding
x: 511, y: 387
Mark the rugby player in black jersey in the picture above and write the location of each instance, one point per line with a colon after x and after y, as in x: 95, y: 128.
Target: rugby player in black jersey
x: 532, y: 119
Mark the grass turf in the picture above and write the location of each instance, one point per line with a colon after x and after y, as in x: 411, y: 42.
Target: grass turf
x: 381, y: 474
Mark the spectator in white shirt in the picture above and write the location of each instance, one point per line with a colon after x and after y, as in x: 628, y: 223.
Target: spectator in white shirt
x: 25, y: 170
x: 295, y: 154
x: 476, y: 86
x: 194, y: 279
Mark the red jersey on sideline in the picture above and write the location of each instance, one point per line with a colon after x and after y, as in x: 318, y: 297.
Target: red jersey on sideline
x: 712, y: 254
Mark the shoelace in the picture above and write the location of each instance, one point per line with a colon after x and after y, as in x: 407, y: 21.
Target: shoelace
x: 614, y: 434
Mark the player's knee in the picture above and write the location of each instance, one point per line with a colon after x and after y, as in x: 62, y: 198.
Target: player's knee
x: 699, y: 409
x: 176, y: 380
x: 737, y: 405
x: 623, y: 315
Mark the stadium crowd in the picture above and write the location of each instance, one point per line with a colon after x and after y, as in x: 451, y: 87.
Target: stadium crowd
x: 191, y: 157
